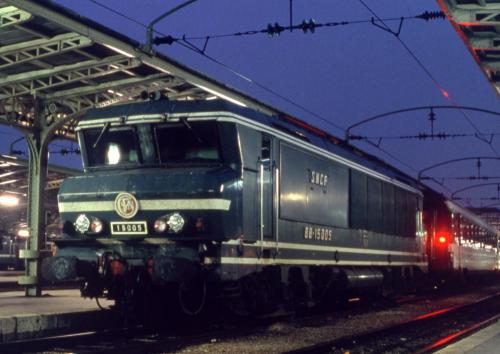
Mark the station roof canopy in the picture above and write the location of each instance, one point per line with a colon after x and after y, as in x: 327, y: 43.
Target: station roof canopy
x: 13, y: 182
x: 72, y: 63
x: 478, y: 24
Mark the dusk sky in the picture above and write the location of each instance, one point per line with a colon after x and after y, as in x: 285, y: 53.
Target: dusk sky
x: 343, y: 74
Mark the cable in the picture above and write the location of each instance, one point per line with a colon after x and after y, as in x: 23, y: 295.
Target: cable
x: 421, y: 136
x: 118, y: 13
x: 429, y: 74
x: 309, y: 26
x: 187, y: 45
x: 265, y: 88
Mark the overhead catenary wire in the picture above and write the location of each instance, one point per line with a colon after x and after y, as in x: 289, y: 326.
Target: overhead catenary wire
x: 244, y: 77
x: 186, y: 44
x: 306, y: 26
x: 193, y: 48
x: 444, y: 92
x: 422, y: 136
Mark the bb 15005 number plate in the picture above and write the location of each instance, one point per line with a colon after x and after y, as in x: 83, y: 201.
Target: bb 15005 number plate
x: 129, y: 228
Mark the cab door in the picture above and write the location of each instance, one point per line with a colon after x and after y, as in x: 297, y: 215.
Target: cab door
x: 265, y: 182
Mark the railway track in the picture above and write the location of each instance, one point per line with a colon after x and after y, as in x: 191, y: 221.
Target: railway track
x: 423, y: 334
x: 139, y: 340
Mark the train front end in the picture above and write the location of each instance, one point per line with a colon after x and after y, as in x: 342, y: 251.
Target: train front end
x: 157, y: 194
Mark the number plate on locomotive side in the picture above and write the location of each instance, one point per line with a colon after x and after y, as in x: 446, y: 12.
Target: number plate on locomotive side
x: 129, y: 228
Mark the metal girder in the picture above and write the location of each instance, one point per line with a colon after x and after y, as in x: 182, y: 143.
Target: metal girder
x: 467, y: 4
x: 479, y: 13
x: 89, y: 90
x: 39, y: 48
x: 151, y: 59
x: 12, y: 173
x: 478, y: 17
x: 31, y: 82
x: 11, y: 161
x: 478, y: 24
x: 486, y: 43
x: 117, y: 95
x: 11, y: 15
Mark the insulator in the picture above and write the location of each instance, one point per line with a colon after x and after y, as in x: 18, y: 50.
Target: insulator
x: 308, y: 26
x: 274, y: 30
x: 432, y: 15
x: 164, y: 40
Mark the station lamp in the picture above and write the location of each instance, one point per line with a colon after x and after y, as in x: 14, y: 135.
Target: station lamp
x: 9, y: 200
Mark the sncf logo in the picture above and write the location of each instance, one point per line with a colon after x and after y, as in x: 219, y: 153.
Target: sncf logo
x: 315, y: 177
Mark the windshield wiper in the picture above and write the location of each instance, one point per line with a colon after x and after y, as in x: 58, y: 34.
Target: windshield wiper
x: 101, y: 134
x: 187, y: 125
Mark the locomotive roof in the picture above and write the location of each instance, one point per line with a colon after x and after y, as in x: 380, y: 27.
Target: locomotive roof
x: 284, y: 123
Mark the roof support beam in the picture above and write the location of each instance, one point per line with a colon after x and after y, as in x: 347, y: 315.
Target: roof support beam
x: 39, y: 48
x: 479, y: 5
x: 82, y: 91
x: 11, y: 15
x: 33, y: 81
x: 155, y: 61
x: 479, y: 15
x: 490, y: 43
x: 478, y: 24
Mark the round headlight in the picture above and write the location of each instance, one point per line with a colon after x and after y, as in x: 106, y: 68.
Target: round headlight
x: 82, y: 223
x: 175, y: 222
x: 160, y: 225
x: 96, y: 225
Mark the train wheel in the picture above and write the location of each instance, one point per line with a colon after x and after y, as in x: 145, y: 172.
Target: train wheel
x: 192, y: 296
x: 254, y: 298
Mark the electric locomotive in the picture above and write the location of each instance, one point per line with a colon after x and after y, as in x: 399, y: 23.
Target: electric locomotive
x: 209, y: 199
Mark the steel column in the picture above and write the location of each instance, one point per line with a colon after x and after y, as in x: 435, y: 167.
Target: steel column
x: 37, y: 141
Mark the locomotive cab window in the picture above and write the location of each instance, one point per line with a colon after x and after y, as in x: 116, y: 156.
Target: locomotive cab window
x: 188, y: 142
x: 111, y: 147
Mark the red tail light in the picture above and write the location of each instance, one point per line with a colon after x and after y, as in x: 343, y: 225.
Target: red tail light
x: 442, y: 238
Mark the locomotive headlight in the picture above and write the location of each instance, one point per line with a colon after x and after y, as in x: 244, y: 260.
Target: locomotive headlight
x: 175, y: 222
x: 96, y: 225
x: 160, y: 225
x: 82, y: 223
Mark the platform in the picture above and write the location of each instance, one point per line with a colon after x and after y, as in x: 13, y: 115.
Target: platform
x: 55, y: 312
x: 9, y: 276
x: 484, y: 341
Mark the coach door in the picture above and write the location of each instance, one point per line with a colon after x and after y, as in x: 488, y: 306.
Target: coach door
x: 265, y: 181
